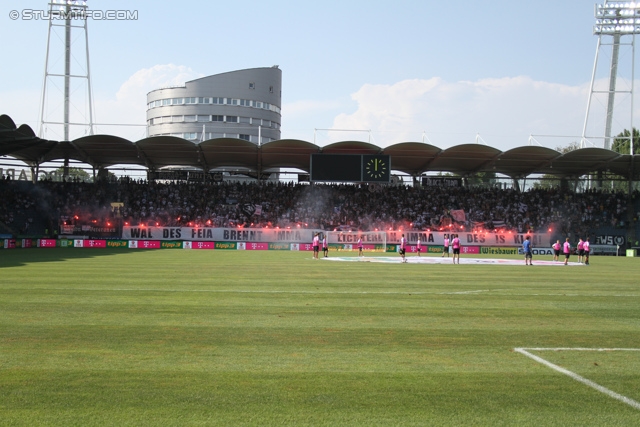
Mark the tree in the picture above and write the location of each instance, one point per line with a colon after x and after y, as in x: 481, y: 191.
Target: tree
x: 574, y: 145
x: 75, y: 173
x: 551, y: 181
x: 622, y: 140
x: 621, y: 144
x: 482, y: 178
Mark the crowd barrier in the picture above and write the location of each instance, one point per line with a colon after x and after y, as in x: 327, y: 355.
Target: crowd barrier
x: 265, y: 239
x: 241, y: 246
x: 273, y: 246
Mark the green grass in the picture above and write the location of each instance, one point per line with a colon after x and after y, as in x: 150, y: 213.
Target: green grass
x: 175, y: 337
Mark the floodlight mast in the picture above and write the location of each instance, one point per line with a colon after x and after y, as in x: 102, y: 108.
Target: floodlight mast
x: 66, y: 11
x: 614, y: 19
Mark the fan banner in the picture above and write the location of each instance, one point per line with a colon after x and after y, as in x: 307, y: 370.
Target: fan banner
x: 300, y: 236
x: 458, y: 215
x: 267, y: 235
x: 470, y: 239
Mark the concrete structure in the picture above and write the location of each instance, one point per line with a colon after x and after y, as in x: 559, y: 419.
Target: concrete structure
x: 243, y: 104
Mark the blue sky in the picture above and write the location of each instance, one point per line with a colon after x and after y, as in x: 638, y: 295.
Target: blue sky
x: 442, y: 71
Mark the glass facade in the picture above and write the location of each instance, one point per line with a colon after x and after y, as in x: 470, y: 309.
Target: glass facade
x: 214, y: 118
x: 218, y: 101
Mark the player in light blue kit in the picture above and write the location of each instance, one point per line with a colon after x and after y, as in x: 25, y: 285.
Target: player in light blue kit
x: 526, y: 248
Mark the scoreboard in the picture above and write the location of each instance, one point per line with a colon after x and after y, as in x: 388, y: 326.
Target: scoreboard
x: 350, y: 167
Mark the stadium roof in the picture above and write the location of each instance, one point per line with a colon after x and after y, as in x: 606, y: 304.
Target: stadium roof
x: 413, y: 158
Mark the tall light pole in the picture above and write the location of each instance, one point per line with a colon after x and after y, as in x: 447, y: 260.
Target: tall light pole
x: 69, y: 14
x: 617, y: 24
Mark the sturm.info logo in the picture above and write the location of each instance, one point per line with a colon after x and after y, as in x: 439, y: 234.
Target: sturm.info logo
x: 73, y: 9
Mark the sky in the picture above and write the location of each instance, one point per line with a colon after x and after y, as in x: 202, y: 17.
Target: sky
x: 386, y: 72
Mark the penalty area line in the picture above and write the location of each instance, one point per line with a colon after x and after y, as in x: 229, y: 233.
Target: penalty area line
x: 583, y: 380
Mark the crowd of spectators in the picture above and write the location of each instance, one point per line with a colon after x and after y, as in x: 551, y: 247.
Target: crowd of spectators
x: 357, y: 207
x: 16, y: 208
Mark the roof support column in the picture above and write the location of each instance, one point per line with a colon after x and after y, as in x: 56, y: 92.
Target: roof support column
x: 259, y: 162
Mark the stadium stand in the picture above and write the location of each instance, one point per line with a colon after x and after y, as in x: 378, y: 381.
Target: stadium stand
x: 37, y: 209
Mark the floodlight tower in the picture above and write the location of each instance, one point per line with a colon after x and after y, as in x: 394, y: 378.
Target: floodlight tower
x: 65, y: 14
x: 617, y: 24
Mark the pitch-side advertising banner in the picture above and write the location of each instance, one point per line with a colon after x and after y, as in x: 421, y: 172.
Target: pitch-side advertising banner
x: 144, y: 244
x: 47, y: 243
x: 78, y: 243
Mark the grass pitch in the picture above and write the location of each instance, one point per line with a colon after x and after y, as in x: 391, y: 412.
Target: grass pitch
x: 177, y: 337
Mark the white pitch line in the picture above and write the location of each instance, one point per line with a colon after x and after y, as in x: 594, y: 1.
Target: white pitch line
x: 520, y: 294
x: 441, y: 261
x: 464, y: 292
x: 598, y: 387
x: 248, y: 291
x: 578, y: 349
x: 495, y: 292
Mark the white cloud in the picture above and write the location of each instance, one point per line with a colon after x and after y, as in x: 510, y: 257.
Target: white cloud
x: 156, y: 77
x: 503, y: 111
x: 129, y: 105
x: 300, y: 109
x: 22, y: 106
x: 301, y: 119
